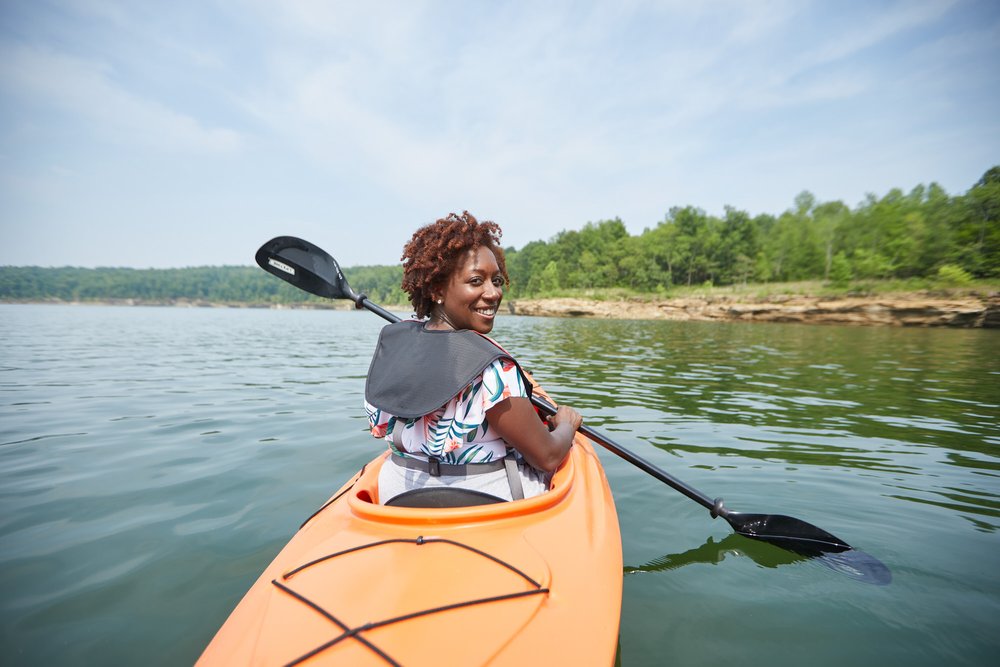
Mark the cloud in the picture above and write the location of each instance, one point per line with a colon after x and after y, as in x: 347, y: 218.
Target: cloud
x: 873, y: 28
x: 86, y: 90
x: 575, y: 109
x: 485, y: 100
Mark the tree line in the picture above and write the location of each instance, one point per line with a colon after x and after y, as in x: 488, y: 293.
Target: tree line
x: 923, y: 233
x: 215, y: 284
x: 900, y: 235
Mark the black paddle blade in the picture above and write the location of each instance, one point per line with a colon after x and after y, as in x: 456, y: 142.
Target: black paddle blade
x: 306, y: 266
x: 786, y: 532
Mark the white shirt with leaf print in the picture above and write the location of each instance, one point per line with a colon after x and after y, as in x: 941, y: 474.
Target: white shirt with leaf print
x: 457, y: 432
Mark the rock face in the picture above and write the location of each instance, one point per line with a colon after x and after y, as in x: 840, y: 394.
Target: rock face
x: 908, y: 310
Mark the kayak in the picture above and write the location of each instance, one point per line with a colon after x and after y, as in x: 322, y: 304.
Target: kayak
x: 533, y: 581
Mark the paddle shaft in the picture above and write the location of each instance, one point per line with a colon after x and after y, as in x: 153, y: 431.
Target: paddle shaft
x: 710, y: 504
x: 636, y: 460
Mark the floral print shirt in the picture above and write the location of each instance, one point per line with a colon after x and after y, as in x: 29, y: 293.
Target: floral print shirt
x: 457, y: 432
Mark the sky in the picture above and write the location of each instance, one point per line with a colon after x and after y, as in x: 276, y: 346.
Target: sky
x: 154, y: 135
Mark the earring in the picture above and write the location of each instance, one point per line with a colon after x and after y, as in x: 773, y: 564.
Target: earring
x: 440, y: 301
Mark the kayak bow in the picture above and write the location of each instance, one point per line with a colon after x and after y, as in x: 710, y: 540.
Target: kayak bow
x: 534, y: 581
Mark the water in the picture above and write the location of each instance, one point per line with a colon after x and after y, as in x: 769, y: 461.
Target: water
x: 153, y: 461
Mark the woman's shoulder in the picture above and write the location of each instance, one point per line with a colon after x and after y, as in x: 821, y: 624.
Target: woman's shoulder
x: 501, y: 379
x: 495, y: 344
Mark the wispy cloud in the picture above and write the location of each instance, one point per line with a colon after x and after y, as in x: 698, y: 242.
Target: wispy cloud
x: 86, y: 89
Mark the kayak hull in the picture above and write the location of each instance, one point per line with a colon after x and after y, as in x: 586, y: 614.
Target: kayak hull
x: 535, y: 581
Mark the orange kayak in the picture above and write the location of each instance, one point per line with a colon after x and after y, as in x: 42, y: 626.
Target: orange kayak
x: 529, y: 582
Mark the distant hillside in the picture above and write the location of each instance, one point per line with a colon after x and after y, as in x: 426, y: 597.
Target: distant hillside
x: 226, y: 284
x: 922, y: 234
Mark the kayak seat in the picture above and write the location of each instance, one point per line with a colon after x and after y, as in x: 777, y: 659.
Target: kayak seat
x: 442, y: 496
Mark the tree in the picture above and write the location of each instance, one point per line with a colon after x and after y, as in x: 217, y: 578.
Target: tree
x: 739, y: 242
x: 981, y: 231
x: 840, y: 270
x: 829, y: 217
x: 548, y: 280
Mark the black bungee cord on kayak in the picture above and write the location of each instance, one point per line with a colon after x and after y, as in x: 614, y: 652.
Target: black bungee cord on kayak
x: 349, y: 632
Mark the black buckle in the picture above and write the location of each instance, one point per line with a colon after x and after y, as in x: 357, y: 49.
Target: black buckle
x: 433, y: 467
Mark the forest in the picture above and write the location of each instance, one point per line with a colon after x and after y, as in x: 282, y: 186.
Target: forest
x: 900, y: 235
x: 925, y: 233
x: 212, y: 284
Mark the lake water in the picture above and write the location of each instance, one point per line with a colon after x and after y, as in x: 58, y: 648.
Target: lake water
x: 154, y: 460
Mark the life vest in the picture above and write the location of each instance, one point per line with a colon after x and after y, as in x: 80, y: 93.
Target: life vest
x: 415, y: 371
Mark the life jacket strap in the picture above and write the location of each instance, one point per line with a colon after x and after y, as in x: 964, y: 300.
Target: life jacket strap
x: 435, y: 468
x: 513, y: 476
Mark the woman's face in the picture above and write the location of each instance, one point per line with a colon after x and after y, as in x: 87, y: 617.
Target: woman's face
x: 472, y: 295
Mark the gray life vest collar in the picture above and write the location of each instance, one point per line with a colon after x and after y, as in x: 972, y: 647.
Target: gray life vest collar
x: 415, y: 371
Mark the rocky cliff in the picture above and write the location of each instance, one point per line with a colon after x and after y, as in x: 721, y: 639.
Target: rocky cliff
x: 913, y: 310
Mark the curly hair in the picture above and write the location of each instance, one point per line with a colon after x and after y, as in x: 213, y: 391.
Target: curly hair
x: 435, y: 251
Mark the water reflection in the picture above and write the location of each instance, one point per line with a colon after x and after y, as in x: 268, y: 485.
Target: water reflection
x: 713, y: 553
x: 855, y: 564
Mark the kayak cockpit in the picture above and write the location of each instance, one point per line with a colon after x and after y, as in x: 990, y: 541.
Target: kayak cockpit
x: 362, y: 498
x: 438, y: 497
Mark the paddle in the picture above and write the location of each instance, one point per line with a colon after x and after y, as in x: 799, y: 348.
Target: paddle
x: 312, y: 269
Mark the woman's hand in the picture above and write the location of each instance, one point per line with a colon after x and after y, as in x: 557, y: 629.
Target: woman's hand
x: 566, y: 416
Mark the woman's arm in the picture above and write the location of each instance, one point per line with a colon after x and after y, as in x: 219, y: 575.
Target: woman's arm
x: 516, y: 421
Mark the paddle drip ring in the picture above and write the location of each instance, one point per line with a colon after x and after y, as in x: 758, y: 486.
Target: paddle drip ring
x: 718, y: 509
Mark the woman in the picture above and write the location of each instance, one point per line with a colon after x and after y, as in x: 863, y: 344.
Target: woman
x: 448, y: 399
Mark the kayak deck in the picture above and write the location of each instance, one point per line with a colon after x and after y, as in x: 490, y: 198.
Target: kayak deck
x: 533, y: 581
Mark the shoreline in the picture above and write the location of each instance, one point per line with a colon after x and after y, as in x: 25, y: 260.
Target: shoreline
x: 910, y: 309
x: 907, y: 309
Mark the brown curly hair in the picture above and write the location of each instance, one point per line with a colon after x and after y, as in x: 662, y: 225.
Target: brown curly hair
x: 435, y: 250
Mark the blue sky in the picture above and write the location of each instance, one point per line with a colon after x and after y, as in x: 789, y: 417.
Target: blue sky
x: 153, y: 134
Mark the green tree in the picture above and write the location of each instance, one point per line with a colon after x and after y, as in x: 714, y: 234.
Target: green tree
x: 828, y: 218
x: 739, y: 242
x: 840, y: 270
x: 980, y: 229
x: 548, y: 279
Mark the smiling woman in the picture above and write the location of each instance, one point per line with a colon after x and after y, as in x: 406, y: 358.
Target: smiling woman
x: 437, y: 253
x: 470, y: 298
x: 454, y: 406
